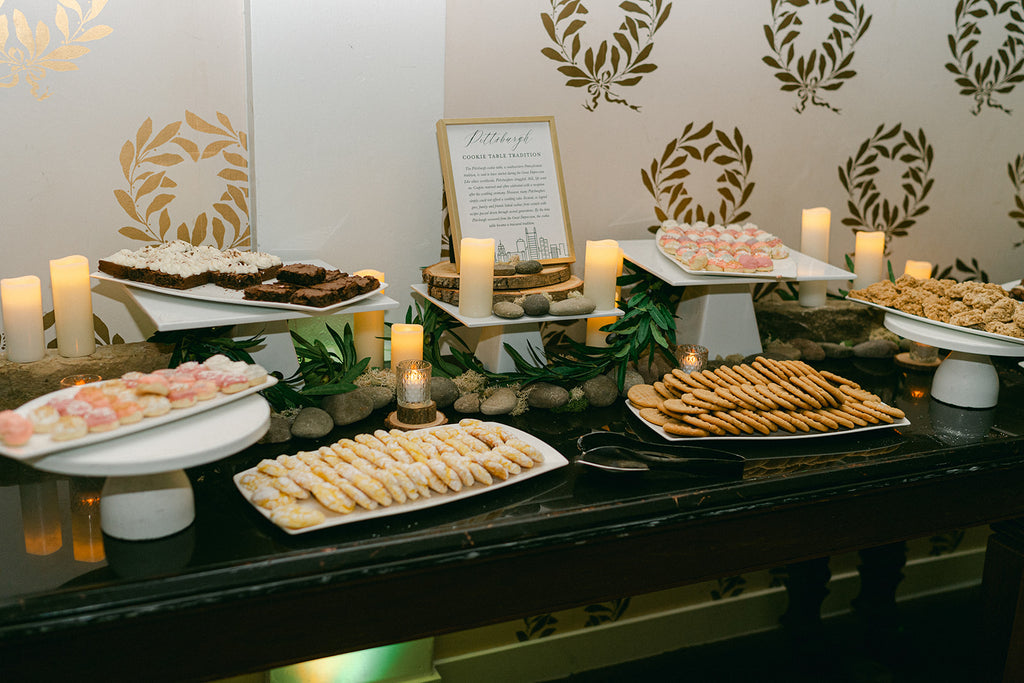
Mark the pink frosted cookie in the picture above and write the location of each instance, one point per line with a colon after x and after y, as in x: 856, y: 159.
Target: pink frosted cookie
x: 69, y: 427
x: 152, y: 384
x: 70, y: 406
x: 205, y: 389
x: 154, y: 405
x: 128, y: 412
x: 181, y: 395
x: 101, y: 420
x: 15, y: 429
x: 44, y: 418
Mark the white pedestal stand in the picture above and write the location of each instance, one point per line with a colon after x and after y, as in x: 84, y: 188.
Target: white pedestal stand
x: 966, y: 378
x: 717, y: 311
x: 523, y: 335
x: 147, y: 494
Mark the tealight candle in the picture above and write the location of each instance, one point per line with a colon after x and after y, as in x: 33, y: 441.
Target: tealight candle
x: 368, y: 329
x: 602, y: 262
x: 476, y: 277
x: 72, y: 306
x: 814, y: 233
x: 22, y: 302
x: 922, y: 270
x: 595, y: 336
x: 867, y: 258
x: 692, y: 358
x: 413, y: 380
x: 406, y: 343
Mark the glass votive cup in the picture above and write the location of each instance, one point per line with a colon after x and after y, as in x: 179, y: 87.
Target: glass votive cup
x: 78, y: 380
x: 692, y: 358
x: 923, y: 353
x: 413, y: 378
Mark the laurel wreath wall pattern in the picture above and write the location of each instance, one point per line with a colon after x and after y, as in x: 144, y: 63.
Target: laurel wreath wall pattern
x: 996, y: 74
x: 145, y: 163
x: 869, y: 210
x: 618, y: 63
x: 824, y: 68
x: 666, y: 177
x: 31, y: 61
x: 1015, y: 169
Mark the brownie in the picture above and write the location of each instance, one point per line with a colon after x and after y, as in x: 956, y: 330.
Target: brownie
x: 116, y: 270
x: 278, y: 292
x: 161, y: 279
x: 301, y: 274
x: 366, y: 283
x: 235, y: 280
x: 269, y: 273
x: 334, y: 274
x: 318, y: 298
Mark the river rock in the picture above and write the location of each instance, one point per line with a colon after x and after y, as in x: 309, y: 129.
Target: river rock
x: 529, y: 267
x: 778, y: 350
x: 349, y: 407
x: 507, y: 309
x: 381, y: 396
x: 501, y: 402
x: 547, y: 395
x: 876, y: 348
x: 601, y: 391
x: 833, y: 350
x: 279, y: 430
x: 467, y: 403
x: 536, y: 304
x: 574, y: 305
x: 312, y: 423
x: 443, y: 391
x: 504, y: 269
x: 809, y: 350
x: 632, y: 379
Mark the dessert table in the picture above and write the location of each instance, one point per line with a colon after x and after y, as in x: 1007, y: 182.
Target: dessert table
x: 232, y: 593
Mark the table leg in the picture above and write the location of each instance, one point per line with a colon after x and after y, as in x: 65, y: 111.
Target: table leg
x: 881, y: 571
x: 1003, y: 600
x: 806, y: 588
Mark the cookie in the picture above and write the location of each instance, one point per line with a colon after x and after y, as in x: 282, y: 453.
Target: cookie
x: 768, y: 371
x: 859, y: 394
x: 829, y: 387
x: 840, y: 417
x: 679, y: 429
x: 677, y: 406
x: 713, y: 398
x: 700, y: 423
x: 726, y: 425
x: 727, y: 370
x: 780, y: 419
x: 706, y: 378
x: 725, y: 379
x: 675, y: 385
x: 663, y: 390
x: 686, y: 379
x: 838, y: 379
x: 822, y: 417
x: 751, y: 375
x: 756, y: 420
x: 740, y: 424
x: 644, y: 396
x: 655, y: 416
x: 812, y: 389
x: 887, y: 409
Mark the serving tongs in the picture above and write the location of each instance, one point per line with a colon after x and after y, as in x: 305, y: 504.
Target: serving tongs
x: 620, y: 453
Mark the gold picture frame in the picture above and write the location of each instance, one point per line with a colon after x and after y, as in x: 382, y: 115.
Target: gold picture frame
x: 503, y: 179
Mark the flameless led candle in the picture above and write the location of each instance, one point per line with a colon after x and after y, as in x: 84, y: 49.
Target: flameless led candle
x: 22, y: 301
x: 602, y: 263
x: 72, y: 306
x: 922, y: 270
x: 368, y: 329
x: 406, y: 343
x: 867, y: 258
x: 814, y: 231
x: 595, y: 337
x: 476, y: 277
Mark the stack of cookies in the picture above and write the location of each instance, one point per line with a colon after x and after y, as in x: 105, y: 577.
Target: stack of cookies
x: 760, y: 398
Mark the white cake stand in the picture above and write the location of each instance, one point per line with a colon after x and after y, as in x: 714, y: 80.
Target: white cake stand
x: 147, y: 494
x: 717, y: 311
x: 966, y: 377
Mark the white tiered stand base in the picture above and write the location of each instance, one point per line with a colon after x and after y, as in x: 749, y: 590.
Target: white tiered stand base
x: 522, y: 335
x: 966, y: 377
x: 717, y: 311
x: 147, y: 494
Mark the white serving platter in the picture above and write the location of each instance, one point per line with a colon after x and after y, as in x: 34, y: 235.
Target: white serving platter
x: 782, y: 268
x: 223, y: 295
x: 1005, y: 345
x: 780, y: 435
x: 41, y: 444
x: 552, y: 461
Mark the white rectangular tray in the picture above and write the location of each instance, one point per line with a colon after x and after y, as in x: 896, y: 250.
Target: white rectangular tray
x: 223, y: 295
x: 552, y: 461
x: 41, y: 444
x: 780, y: 435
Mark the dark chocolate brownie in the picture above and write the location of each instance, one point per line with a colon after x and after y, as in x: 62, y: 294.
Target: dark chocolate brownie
x: 319, y: 298
x: 301, y: 274
x: 279, y: 292
x: 235, y: 280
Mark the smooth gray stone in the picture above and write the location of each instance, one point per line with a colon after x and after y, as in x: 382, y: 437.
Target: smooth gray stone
x: 443, y: 391
x: 507, y: 309
x: 468, y: 403
x: 280, y: 430
x: 809, y: 349
x: 574, y: 305
x: 601, y: 391
x: 529, y: 267
x: 536, y: 304
x: 547, y: 395
x: 347, y: 408
x: 632, y: 379
x: 836, y: 350
x: 312, y: 423
x: 501, y: 402
x: 504, y: 269
x: 381, y: 396
x: 876, y: 348
x: 782, y: 351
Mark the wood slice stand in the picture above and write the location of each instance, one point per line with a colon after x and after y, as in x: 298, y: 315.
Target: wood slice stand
x: 442, y: 283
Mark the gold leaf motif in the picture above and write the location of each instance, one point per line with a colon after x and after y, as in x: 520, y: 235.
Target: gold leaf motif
x: 236, y: 159
x: 96, y: 32
x: 58, y: 66
x: 62, y: 23
x: 214, y: 147
x: 23, y: 32
x: 73, y: 6
x: 165, y: 134
x: 191, y: 148
x: 233, y: 174
x: 202, y: 126
x: 68, y: 52
x: 127, y: 157
x: 136, y: 234
x: 97, y: 7
x: 141, y: 135
x: 4, y: 32
x: 42, y: 37
x: 165, y: 159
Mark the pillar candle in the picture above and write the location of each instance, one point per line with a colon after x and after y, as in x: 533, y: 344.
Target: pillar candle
x: 72, y: 306
x: 595, y: 337
x: 602, y: 262
x: 814, y: 232
x: 22, y: 302
x: 41, y: 517
x: 406, y: 343
x: 476, y: 277
x: 867, y: 258
x: 922, y: 270
x: 368, y: 329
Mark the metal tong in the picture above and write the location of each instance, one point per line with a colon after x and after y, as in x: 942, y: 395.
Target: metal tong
x: 620, y: 453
